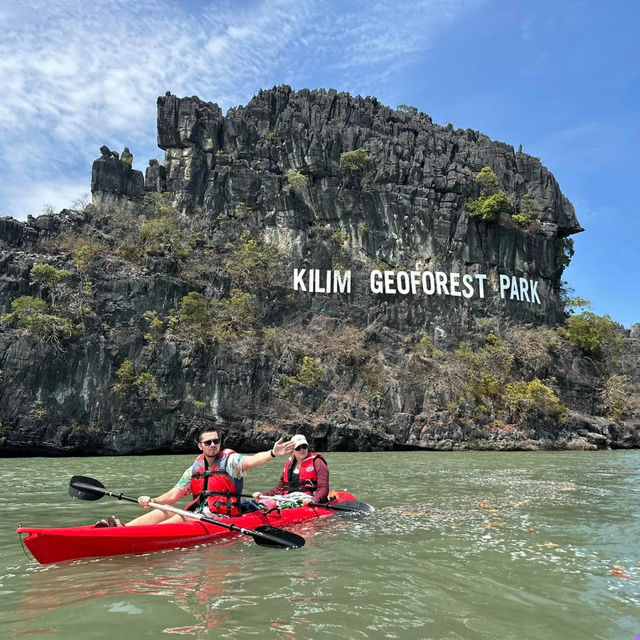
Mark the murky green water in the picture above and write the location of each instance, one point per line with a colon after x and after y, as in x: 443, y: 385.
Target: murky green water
x: 462, y: 546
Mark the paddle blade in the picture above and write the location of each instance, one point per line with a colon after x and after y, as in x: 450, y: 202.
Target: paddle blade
x: 352, y: 509
x: 83, y: 488
x: 277, y: 538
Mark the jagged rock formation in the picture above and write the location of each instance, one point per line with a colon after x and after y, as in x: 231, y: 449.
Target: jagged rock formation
x: 222, y: 212
x: 412, y: 204
x: 113, y: 179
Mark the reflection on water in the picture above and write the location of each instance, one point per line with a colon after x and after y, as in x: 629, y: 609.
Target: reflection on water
x: 464, y: 546
x: 175, y: 576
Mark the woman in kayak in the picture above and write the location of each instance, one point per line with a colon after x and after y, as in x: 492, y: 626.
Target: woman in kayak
x: 215, y: 479
x: 306, y: 472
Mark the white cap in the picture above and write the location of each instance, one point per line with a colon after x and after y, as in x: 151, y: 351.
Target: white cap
x: 299, y: 439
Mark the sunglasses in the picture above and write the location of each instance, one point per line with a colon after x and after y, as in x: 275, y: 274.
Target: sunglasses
x: 210, y: 443
x: 300, y: 447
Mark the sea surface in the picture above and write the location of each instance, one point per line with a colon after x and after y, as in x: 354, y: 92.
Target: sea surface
x: 464, y: 545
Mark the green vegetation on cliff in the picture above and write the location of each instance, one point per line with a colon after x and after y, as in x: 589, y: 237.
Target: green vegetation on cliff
x: 492, y: 202
x: 597, y: 335
x: 144, y: 384
x: 31, y: 316
x: 197, y: 321
x: 171, y: 305
x: 297, y: 182
x: 252, y: 264
x: 355, y: 162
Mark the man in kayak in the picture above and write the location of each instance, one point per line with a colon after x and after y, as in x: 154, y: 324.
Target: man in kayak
x: 215, y: 479
x: 305, y: 475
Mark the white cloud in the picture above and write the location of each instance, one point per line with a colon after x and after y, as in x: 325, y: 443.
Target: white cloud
x: 77, y: 75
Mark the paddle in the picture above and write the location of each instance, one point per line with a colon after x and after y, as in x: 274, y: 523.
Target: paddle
x: 346, y: 509
x: 83, y: 488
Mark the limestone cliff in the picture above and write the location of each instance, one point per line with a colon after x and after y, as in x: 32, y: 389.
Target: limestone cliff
x: 186, y: 274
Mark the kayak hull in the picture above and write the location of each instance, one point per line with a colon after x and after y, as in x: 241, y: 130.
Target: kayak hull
x: 71, y: 543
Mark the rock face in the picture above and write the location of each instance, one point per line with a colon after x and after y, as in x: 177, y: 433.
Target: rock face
x: 428, y: 168
x: 113, y: 180
x: 408, y: 212
x: 267, y: 185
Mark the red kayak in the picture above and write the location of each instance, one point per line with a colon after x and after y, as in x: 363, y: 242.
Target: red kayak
x: 71, y: 543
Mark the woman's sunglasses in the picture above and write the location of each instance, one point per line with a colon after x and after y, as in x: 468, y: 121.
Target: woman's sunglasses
x: 300, y: 447
x: 210, y: 443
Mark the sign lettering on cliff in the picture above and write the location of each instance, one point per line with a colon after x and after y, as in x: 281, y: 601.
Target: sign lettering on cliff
x: 440, y: 283
x: 315, y: 281
x: 519, y: 288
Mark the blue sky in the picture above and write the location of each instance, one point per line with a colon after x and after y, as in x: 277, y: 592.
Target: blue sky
x: 560, y: 78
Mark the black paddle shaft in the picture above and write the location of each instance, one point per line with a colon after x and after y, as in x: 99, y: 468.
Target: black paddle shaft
x: 83, y: 488
x: 349, y: 508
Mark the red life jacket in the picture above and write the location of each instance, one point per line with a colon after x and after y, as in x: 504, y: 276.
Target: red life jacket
x: 213, y: 484
x: 307, y: 480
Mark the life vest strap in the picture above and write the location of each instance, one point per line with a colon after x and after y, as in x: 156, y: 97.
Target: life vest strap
x: 230, y: 501
x: 207, y: 473
x: 232, y: 495
x: 296, y: 485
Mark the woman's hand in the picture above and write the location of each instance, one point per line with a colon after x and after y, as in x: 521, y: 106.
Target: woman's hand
x: 144, y: 501
x: 256, y: 495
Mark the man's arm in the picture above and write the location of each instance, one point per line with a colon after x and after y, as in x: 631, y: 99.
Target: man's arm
x: 173, y: 495
x: 170, y: 497
x: 280, y: 448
